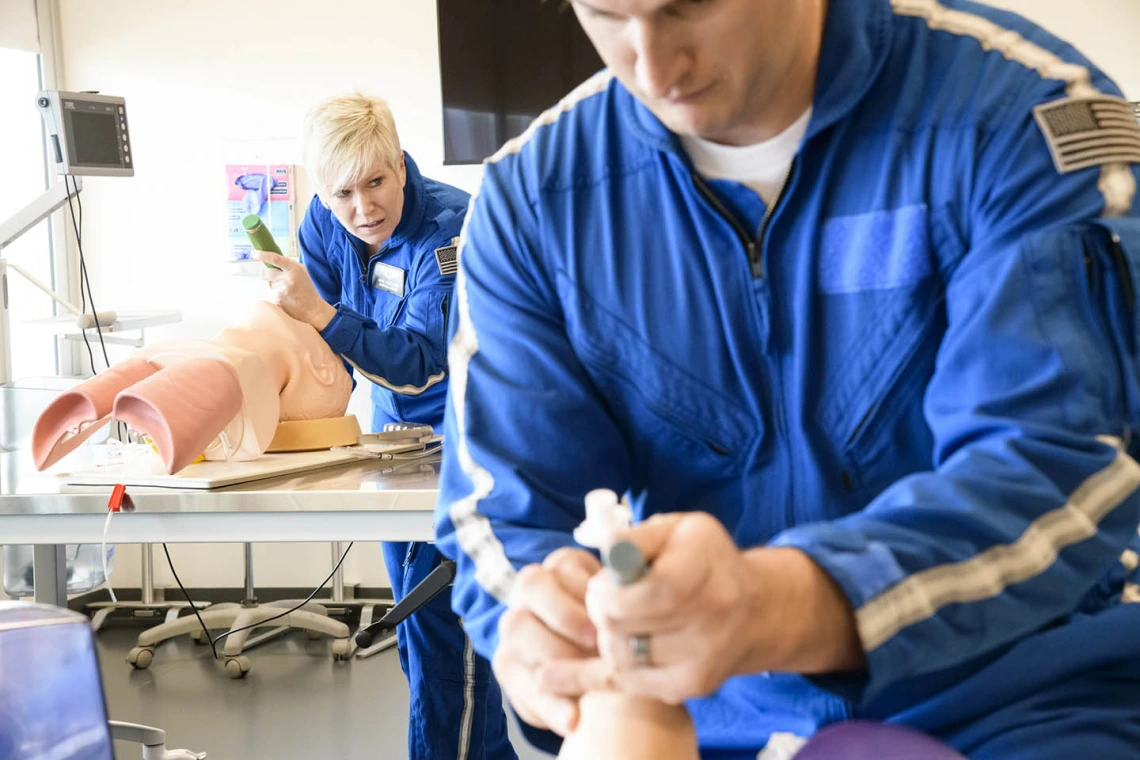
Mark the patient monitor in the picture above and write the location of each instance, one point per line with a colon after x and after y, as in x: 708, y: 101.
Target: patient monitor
x: 88, y: 133
x: 52, y: 705
x: 51, y: 696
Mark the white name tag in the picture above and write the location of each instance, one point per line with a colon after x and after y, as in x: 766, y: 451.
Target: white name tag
x: 388, y: 278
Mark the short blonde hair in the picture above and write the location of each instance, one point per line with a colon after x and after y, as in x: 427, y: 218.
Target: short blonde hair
x: 342, y: 137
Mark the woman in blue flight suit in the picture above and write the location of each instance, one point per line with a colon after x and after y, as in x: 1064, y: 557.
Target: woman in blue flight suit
x: 375, y: 279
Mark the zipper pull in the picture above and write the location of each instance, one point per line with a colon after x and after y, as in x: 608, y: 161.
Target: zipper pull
x: 754, y: 257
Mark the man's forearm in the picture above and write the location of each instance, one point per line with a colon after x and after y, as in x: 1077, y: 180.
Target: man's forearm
x: 818, y: 633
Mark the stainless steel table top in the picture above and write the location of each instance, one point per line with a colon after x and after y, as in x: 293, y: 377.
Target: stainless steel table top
x: 365, y: 500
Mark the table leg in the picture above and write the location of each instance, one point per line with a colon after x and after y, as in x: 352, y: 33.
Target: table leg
x: 49, y: 566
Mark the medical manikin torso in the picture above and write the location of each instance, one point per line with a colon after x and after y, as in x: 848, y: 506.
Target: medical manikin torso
x: 222, y: 397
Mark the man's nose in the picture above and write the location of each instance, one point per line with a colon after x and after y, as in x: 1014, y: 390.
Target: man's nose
x: 662, y: 61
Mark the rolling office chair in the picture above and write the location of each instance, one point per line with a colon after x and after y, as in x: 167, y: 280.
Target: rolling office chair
x: 151, y: 598
x: 51, y: 695
x: 343, y: 596
x: 312, y: 618
x: 426, y: 590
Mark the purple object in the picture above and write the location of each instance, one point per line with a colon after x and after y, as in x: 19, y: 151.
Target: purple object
x: 864, y: 740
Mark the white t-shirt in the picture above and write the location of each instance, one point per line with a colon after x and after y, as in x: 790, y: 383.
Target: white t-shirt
x: 763, y: 166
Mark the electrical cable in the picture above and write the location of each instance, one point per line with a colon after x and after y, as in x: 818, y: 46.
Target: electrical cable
x: 87, y: 280
x: 107, y: 527
x: 291, y: 610
x: 82, y: 293
x: 103, y: 557
x: 201, y: 622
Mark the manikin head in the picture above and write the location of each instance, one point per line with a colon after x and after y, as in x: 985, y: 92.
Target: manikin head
x: 350, y: 147
x: 731, y: 71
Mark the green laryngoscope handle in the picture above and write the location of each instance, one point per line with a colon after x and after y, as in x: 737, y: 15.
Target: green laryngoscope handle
x: 259, y: 236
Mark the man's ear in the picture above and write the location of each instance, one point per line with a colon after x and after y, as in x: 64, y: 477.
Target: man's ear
x: 402, y: 169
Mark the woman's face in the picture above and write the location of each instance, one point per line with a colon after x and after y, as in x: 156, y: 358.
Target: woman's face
x: 371, y: 207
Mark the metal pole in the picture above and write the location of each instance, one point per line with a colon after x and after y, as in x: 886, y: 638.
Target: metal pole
x: 5, y: 331
x: 338, y: 576
x: 49, y: 570
x: 147, y: 574
x: 250, y: 599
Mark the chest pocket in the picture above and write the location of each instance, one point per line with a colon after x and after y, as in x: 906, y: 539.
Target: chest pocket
x: 381, y: 305
x: 426, y: 314
x: 881, y: 296
x: 385, y: 307
x: 1112, y: 262
x: 670, y: 415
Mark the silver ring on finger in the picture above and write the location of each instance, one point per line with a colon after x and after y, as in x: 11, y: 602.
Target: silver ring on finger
x: 639, y: 647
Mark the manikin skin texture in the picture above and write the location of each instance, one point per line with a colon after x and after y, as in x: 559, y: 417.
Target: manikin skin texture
x: 185, y: 394
x: 615, y: 726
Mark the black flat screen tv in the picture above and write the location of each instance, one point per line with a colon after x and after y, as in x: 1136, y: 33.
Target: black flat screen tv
x: 502, y: 63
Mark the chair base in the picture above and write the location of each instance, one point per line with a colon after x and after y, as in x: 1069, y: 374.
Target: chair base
x: 312, y: 618
x: 366, y: 613
x: 172, y: 609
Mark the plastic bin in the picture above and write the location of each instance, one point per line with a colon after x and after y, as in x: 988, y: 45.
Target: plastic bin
x: 20, y: 405
x: 84, y: 570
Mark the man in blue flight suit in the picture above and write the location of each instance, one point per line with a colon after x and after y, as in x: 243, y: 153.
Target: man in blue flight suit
x: 375, y: 279
x: 843, y: 296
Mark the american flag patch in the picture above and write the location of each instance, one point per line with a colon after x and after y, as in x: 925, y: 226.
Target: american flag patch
x: 447, y: 259
x: 1084, y: 132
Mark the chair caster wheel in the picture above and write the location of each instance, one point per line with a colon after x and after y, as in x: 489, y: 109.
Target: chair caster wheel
x: 237, y: 667
x: 341, y: 648
x: 140, y: 658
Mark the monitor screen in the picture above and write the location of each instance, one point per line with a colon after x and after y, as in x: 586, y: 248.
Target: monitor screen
x: 502, y: 63
x: 94, y: 138
x: 51, y: 696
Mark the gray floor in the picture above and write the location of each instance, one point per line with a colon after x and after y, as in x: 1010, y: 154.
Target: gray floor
x: 296, y: 703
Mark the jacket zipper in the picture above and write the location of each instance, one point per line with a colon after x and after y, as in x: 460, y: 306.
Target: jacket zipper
x: 872, y: 411
x: 854, y: 435
x: 366, y: 265
x: 753, y: 247
x: 1123, y: 273
x: 750, y: 247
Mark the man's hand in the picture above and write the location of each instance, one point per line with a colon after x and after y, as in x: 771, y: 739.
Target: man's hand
x: 711, y: 612
x: 545, y: 622
x: 293, y: 290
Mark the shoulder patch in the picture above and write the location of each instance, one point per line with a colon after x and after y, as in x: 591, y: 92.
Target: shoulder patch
x: 1084, y: 132
x: 447, y: 257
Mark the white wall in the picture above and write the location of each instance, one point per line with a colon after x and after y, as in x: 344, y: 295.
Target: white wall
x: 1107, y: 31
x: 212, y: 82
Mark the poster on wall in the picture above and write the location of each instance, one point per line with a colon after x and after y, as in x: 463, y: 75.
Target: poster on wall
x: 262, y: 189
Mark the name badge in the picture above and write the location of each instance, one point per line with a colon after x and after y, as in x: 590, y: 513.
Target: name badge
x: 388, y: 278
